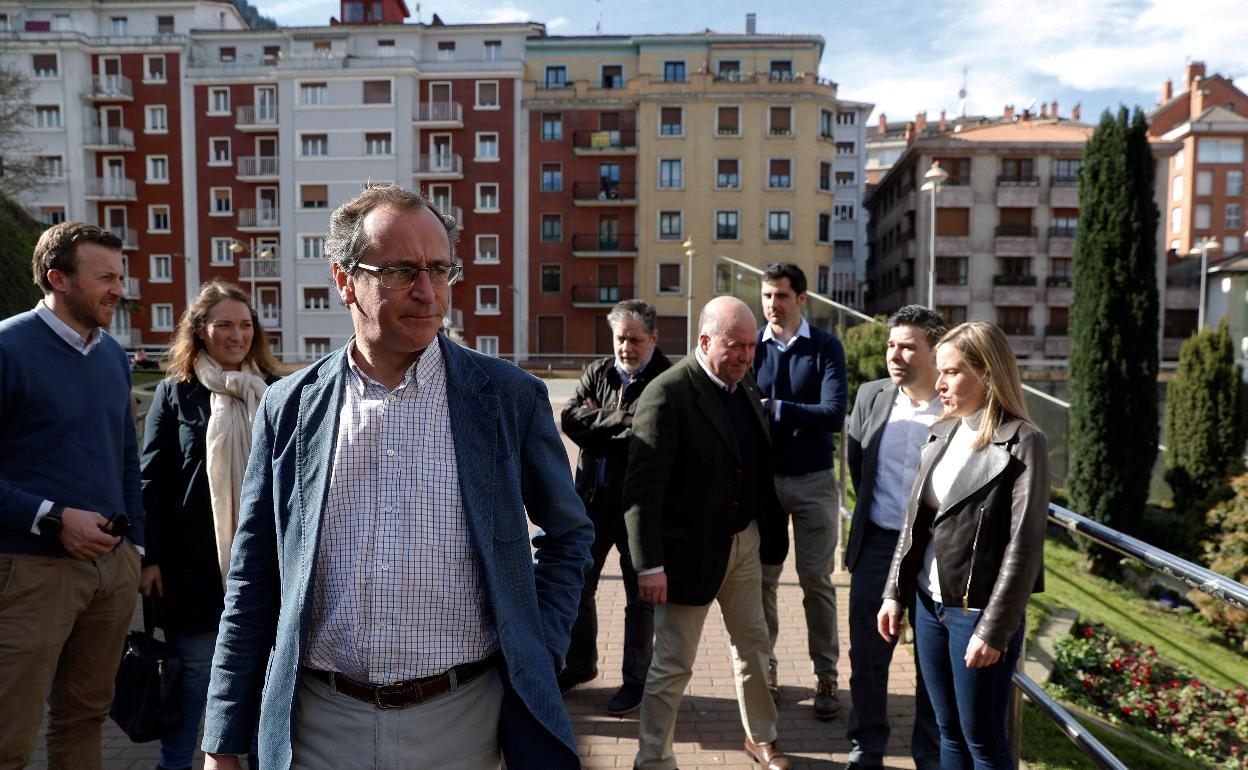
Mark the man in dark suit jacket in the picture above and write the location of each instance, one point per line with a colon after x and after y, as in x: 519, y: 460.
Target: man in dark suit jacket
x: 702, y: 519
x: 382, y: 551
x: 889, y: 425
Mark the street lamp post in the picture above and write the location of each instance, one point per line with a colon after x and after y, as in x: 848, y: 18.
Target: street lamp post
x: 934, y: 177
x: 690, y: 251
x: 238, y: 247
x: 1207, y: 243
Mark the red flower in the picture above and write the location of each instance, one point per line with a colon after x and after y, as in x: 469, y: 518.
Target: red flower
x: 1087, y: 632
x: 1126, y: 709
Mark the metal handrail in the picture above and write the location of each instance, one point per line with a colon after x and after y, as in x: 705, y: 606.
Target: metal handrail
x: 1077, y: 733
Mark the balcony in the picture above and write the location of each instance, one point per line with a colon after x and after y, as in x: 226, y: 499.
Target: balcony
x: 454, y: 319
x: 248, y: 118
x: 109, y: 189
x: 955, y: 196
x: 601, y: 296
x: 253, y: 220
x: 439, y: 166
x: 1057, y: 330
x: 596, y: 245
x: 1056, y: 345
x: 952, y: 295
x: 115, y: 139
x: 130, y: 287
x: 128, y: 235
x: 1063, y: 195
x: 1015, y: 241
x: 1061, y: 241
x: 270, y: 316
x: 605, y: 142
x: 1022, y: 337
x: 1058, y: 282
x: 455, y: 212
x: 256, y: 168
x: 604, y: 193
x: 259, y: 269
x: 1058, y: 291
x: 439, y: 115
x: 111, y: 88
x: 1018, y: 191
x: 1014, y: 289
x: 1013, y: 279
x: 953, y: 246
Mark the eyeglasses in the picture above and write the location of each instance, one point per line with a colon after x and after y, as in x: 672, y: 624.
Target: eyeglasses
x: 403, y: 277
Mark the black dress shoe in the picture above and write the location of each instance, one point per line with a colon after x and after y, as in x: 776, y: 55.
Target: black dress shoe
x: 569, y: 678
x: 626, y: 699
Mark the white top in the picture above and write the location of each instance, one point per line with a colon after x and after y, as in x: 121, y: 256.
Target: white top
x: 937, y: 487
x: 907, y: 428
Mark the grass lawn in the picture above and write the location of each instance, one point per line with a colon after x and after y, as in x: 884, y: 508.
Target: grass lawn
x: 1046, y: 747
x: 143, y: 378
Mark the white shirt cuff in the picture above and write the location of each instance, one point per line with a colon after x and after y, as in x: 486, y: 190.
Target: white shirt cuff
x: 43, y: 511
x: 651, y: 571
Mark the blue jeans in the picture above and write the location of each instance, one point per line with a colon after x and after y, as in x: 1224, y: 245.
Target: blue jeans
x: 971, y: 703
x: 177, y: 750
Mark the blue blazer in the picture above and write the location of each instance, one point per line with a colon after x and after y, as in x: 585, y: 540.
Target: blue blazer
x: 510, y: 460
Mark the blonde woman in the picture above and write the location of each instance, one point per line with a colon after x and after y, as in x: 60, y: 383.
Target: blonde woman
x: 971, y: 550
x: 196, y: 446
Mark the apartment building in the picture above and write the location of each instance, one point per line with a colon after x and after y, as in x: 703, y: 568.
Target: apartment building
x: 642, y: 143
x: 1005, y: 224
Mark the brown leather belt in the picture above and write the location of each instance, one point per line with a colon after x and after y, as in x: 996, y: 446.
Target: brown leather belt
x: 402, y: 694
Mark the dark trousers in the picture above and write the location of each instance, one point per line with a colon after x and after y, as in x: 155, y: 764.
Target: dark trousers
x: 971, y: 703
x: 869, y: 658
x: 638, y: 615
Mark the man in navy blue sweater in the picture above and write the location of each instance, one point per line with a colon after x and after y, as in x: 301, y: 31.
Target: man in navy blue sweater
x: 71, y: 511
x: 800, y: 371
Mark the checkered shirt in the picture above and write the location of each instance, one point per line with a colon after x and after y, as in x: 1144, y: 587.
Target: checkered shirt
x: 398, y: 592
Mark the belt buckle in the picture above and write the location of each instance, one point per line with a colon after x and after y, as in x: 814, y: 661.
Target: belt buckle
x: 386, y: 697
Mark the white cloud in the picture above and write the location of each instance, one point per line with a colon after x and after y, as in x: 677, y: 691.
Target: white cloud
x: 556, y: 23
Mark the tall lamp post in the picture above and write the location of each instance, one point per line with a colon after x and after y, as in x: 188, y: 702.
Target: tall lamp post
x: 690, y: 251
x: 1207, y: 243
x: 238, y: 247
x: 934, y: 178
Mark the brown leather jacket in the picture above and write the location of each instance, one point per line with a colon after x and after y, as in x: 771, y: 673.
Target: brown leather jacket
x: 989, y: 532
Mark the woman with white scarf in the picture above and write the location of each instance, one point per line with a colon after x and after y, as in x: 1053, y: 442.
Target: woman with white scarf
x: 197, y: 442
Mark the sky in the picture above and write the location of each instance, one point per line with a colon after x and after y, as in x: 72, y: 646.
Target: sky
x: 907, y: 56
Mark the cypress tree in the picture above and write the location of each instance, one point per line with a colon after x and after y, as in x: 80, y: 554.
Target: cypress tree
x: 1114, y: 327
x: 865, y: 347
x: 18, y: 236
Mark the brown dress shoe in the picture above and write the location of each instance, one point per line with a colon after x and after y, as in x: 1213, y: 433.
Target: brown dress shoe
x: 766, y: 755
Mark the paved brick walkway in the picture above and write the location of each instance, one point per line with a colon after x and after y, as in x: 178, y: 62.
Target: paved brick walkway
x: 708, y: 733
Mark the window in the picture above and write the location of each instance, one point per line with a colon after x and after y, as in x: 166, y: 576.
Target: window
x: 552, y: 228
x: 157, y: 168
x: 779, y: 173
x: 779, y: 226
x: 822, y: 279
x: 487, y: 95
x: 162, y: 317
x: 781, y: 69
x: 671, y: 174
x: 844, y: 212
x: 121, y: 25
x: 446, y: 50
x: 1204, y: 183
x: 316, y: 298
x: 669, y: 275
x: 221, y: 254
x: 953, y: 314
x: 728, y: 121
x: 671, y: 121
x: 314, y: 144
x: 493, y: 50
x: 323, y: 47
x: 160, y: 268
x: 673, y: 72
x: 164, y: 25
x: 1234, y: 184
x: 727, y: 176
x: 1176, y: 220
x: 780, y: 119
x: 488, y: 345
x: 154, y: 69
x: 51, y: 166
x: 1015, y: 320
x: 1230, y: 244
x: 1176, y: 189
x: 552, y: 126
x: 158, y: 219
x: 315, y: 347
x: 846, y: 118
x: 612, y: 76
x: 845, y: 148
x: 487, y: 146
x: 48, y: 117
x: 552, y: 278
x: 1234, y: 217
x: 218, y: 101
x: 1066, y: 170
x: 274, y: 52
x: 376, y: 91
x: 556, y: 76
x: 826, y: 120
x: 312, y: 93
x: 487, y: 300
x: 377, y: 143
x: 1225, y: 150
x: 313, y: 196
x: 552, y: 177
x: 727, y: 225
x: 313, y: 247
x: 487, y: 197
x: 1201, y: 216
x: 219, y: 151
x: 44, y: 65
x: 728, y: 68
x: 51, y: 215
x: 671, y: 225
x: 226, y: 53
x: 487, y: 248
x: 155, y: 119
x: 951, y: 271
x: 825, y: 228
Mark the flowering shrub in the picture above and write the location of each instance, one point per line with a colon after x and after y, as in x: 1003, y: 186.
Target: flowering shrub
x: 1127, y: 683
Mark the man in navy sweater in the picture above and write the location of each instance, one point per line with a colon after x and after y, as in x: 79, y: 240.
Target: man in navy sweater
x: 800, y: 371
x: 71, y: 510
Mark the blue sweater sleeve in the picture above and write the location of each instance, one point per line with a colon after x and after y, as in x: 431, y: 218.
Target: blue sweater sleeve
x: 17, y: 506
x: 829, y: 414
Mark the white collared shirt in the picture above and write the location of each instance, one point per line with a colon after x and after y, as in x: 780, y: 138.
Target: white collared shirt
x: 83, y: 345
x: 697, y: 354
x: 770, y: 336
x: 898, y: 460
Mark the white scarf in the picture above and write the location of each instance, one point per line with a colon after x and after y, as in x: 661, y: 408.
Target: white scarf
x: 235, y: 398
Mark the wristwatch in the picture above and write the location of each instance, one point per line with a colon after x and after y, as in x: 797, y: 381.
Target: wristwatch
x: 51, y: 524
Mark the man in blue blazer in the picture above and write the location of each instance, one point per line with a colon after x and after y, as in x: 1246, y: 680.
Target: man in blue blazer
x: 382, y: 565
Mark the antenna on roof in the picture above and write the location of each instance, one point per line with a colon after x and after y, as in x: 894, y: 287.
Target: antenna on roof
x: 598, y: 21
x: 418, y: 13
x: 962, y: 94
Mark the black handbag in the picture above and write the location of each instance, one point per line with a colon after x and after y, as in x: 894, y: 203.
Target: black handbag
x: 147, y: 704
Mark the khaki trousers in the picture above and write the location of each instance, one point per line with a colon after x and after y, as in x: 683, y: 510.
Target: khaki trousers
x: 678, y: 629
x: 62, y: 625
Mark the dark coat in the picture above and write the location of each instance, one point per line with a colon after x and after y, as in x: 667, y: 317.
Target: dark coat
x: 872, y: 406
x: 180, y: 537
x: 685, y: 479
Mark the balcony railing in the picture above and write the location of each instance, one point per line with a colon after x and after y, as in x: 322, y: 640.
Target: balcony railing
x: 605, y: 141
x: 1062, y: 231
x: 130, y: 287
x: 110, y: 188
x: 1058, y: 281
x: 270, y: 316
x: 1015, y: 231
x: 248, y: 115
x: 439, y: 163
x: 1014, y: 279
x: 1018, y: 330
x: 601, y: 295
x: 604, y: 191
x: 260, y: 218
x: 439, y: 112
x: 1063, y: 181
x: 258, y: 165
x: 259, y: 269
x: 1056, y: 330
x: 1018, y: 180
x: 128, y: 235
x: 111, y: 87
x: 622, y: 243
x: 97, y: 136
x: 454, y: 319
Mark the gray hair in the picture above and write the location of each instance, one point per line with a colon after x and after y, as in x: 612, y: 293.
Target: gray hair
x: 634, y: 310
x: 718, y: 314
x: 348, y: 240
